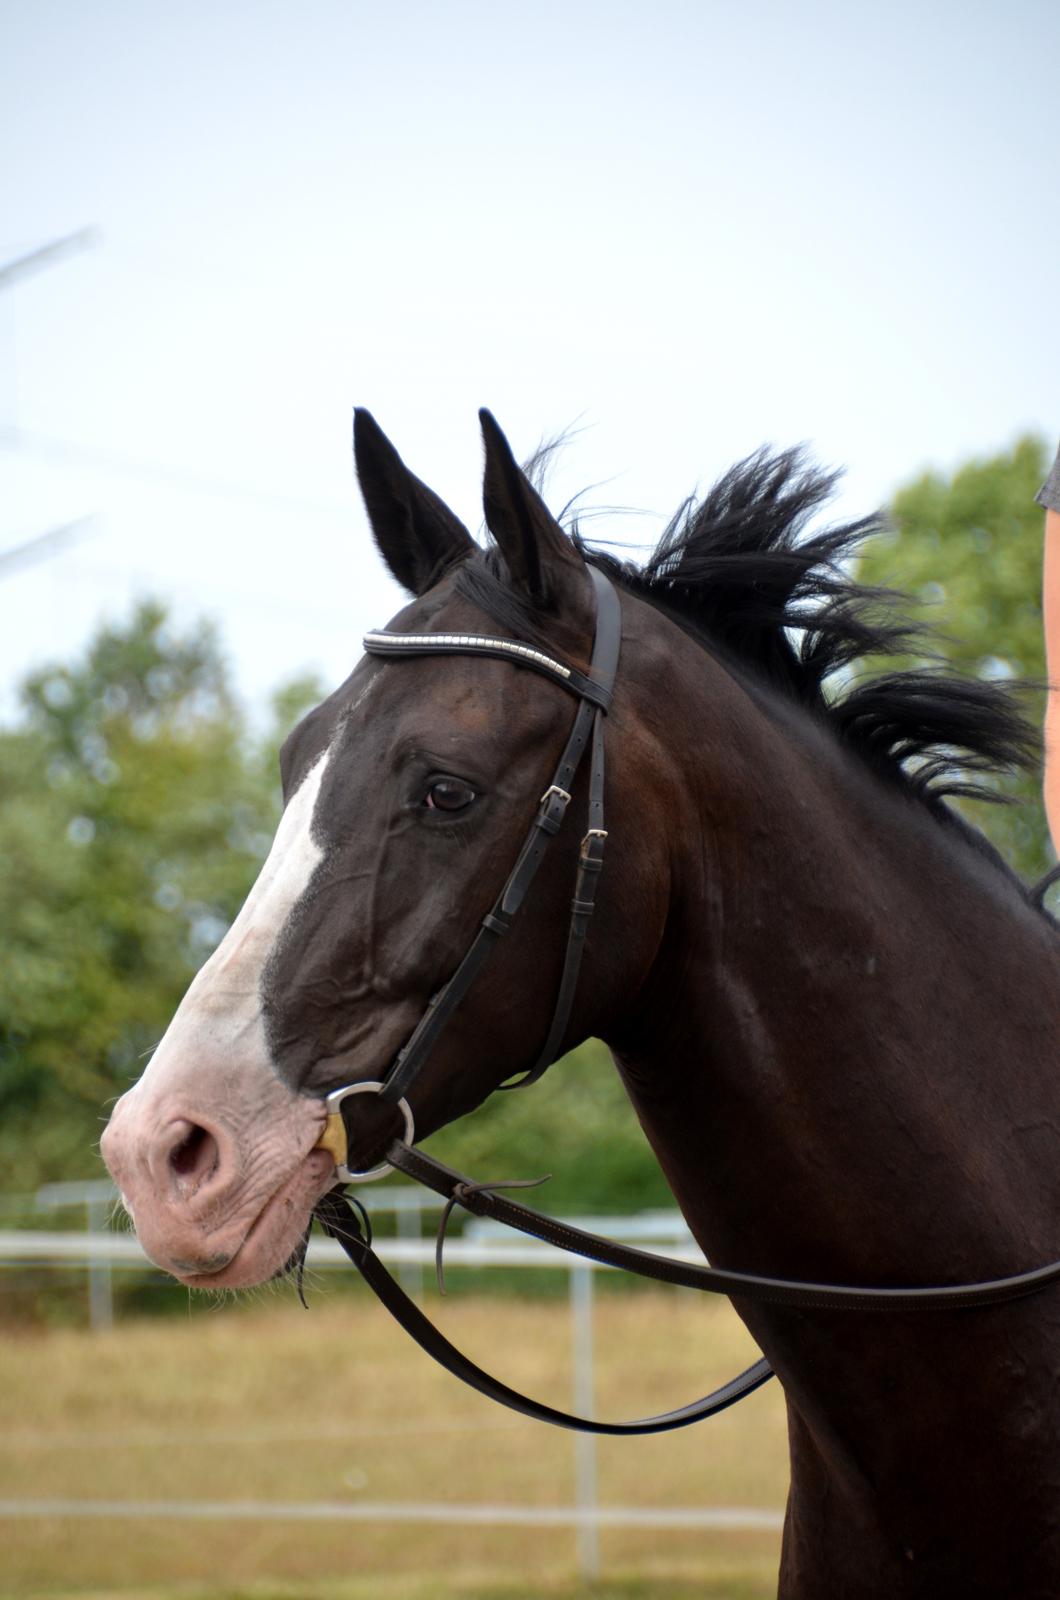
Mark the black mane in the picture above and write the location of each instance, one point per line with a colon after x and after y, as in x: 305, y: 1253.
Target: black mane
x: 737, y: 570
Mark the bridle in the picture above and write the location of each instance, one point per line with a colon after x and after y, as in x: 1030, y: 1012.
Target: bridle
x: 593, y: 692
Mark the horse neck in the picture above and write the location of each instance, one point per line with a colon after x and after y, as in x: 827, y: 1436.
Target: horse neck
x: 845, y: 997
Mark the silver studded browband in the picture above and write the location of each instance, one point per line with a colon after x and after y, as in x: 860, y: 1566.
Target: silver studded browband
x: 475, y: 643
x: 384, y: 643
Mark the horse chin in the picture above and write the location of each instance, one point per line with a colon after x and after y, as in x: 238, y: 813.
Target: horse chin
x: 272, y: 1244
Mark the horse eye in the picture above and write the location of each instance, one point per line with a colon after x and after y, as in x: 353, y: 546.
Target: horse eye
x: 449, y: 794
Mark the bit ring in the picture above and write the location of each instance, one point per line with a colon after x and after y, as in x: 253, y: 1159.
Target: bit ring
x: 333, y: 1138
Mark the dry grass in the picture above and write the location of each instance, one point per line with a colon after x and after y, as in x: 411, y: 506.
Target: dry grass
x: 274, y: 1404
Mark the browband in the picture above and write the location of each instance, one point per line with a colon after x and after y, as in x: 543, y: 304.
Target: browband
x: 383, y: 643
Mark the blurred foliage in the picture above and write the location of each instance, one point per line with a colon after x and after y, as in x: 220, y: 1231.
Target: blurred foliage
x: 577, y: 1126
x: 967, y: 548
x: 135, y: 809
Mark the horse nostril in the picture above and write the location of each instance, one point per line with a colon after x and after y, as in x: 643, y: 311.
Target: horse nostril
x: 194, y: 1157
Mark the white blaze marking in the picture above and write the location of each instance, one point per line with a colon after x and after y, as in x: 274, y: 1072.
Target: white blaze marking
x: 222, y: 1008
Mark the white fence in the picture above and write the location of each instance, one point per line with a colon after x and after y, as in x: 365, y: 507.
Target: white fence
x: 483, y: 1244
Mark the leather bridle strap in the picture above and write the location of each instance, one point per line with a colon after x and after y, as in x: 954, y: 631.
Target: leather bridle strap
x: 591, y: 854
x: 341, y: 1222
x: 799, y: 1294
x: 336, y: 1214
x: 594, y: 694
x: 338, y: 1219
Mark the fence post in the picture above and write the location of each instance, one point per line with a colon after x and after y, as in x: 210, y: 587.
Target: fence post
x: 100, y: 1296
x: 581, y: 1302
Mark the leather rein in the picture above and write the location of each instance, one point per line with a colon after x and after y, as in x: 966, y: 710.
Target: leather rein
x: 338, y: 1215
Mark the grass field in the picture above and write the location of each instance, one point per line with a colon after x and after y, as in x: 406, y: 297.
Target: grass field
x: 271, y: 1404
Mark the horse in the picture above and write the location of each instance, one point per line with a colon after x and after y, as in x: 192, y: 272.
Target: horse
x: 835, y: 1010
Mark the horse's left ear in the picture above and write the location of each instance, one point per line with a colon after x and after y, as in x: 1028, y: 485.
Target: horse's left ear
x: 417, y: 534
x: 541, y: 557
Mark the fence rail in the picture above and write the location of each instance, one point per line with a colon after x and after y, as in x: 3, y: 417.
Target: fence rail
x: 102, y: 1252
x: 22, y: 1246
x: 726, y: 1518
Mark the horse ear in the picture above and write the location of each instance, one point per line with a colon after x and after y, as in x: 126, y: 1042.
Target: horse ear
x: 540, y: 556
x: 416, y: 533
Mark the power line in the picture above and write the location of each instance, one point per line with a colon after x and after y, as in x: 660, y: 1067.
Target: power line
x: 43, y: 545
x: 46, y: 255
x: 12, y: 438
x: 49, y: 543
x: 15, y: 438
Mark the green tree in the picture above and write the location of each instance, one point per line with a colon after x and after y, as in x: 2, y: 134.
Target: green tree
x: 967, y: 547
x: 134, y: 813
x: 578, y: 1127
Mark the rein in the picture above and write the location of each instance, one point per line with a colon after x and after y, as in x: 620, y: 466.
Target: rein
x: 338, y: 1216
x: 341, y: 1223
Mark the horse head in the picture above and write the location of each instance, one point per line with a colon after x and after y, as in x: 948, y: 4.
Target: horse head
x: 407, y: 794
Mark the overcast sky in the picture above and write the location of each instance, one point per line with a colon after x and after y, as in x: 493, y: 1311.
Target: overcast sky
x: 690, y: 227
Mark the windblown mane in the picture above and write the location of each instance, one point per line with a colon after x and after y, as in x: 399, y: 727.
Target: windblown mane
x: 738, y: 570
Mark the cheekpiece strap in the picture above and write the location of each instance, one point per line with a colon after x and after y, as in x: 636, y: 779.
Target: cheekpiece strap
x: 593, y: 693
